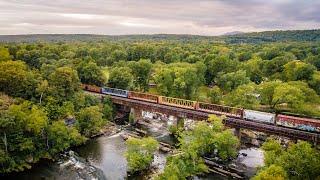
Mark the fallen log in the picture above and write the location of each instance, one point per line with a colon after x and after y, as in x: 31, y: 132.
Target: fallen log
x: 217, y: 172
x: 164, y: 149
x: 143, y: 123
x: 127, y: 135
x: 165, y: 144
x: 238, y: 171
x: 223, y: 169
x: 227, y: 173
x: 211, y: 163
x: 140, y: 131
x: 135, y: 133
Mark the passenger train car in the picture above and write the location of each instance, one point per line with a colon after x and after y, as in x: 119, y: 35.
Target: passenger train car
x: 306, y: 124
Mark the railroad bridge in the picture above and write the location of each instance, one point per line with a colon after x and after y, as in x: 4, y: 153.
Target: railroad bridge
x: 237, y: 123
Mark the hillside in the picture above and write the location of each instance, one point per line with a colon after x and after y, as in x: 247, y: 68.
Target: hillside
x: 255, y: 37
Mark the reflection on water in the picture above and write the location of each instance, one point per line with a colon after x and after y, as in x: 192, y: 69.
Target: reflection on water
x: 252, y: 160
x: 107, y: 153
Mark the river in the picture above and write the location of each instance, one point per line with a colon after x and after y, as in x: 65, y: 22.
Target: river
x: 103, y: 158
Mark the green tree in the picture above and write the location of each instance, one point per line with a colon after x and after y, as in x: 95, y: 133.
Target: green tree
x: 90, y: 73
x: 182, y: 166
x: 299, y: 161
x: 226, y: 144
x: 64, y: 83
x: 90, y: 121
x: 203, y: 139
x: 219, y: 64
x: 289, y: 94
x: 34, y: 119
x: 293, y: 94
x: 178, y: 80
x: 22, y: 129
x: 107, y: 109
x: 164, y: 79
x: 118, y: 55
x: 231, y: 81
x: 273, y: 172
x: 121, y: 77
x: 244, y: 96
x: 267, y: 90
x: 140, y: 153
x: 42, y: 88
x: 141, y: 71
x: 253, y: 68
x: 315, y: 82
x: 309, y: 94
x: 17, y: 80
x: 61, y: 137
x: 215, y: 95
x: 30, y: 57
x: 272, y: 150
x: 297, y: 70
x: 314, y: 60
x: 276, y: 65
x: 4, y: 54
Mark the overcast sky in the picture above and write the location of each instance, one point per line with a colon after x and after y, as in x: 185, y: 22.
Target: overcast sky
x: 204, y: 17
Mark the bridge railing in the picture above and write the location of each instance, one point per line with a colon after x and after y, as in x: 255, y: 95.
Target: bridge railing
x: 143, y: 96
x: 219, y: 109
x: 177, y: 102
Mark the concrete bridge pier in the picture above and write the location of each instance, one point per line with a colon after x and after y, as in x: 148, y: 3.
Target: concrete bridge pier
x: 237, y: 132
x: 135, y: 115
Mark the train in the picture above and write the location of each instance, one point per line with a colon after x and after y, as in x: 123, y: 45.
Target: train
x: 305, y: 124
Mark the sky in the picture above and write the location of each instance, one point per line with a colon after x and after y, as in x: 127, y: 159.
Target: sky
x: 117, y: 17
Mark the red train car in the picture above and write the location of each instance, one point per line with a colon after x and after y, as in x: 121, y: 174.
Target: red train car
x: 305, y: 124
x: 91, y: 88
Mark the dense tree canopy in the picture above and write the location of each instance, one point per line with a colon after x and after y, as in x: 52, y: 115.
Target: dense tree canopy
x: 17, y: 80
x: 90, y: 73
x: 179, y: 80
x: 64, y: 82
x: 121, y: 77
x: 41, y: 81
x: 142, y: 72
x: 298, y: 161
x: 4, y: 54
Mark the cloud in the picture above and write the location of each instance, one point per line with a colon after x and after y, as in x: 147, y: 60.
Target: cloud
x: 205, y: 17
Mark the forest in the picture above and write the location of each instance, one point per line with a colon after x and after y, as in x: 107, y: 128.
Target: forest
x: 43, y: 111
x: 254, y: 37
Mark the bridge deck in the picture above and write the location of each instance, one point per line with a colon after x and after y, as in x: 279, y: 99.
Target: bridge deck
x: 231, y: 122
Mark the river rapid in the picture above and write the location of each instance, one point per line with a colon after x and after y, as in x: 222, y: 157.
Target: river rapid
x: 103, y: 158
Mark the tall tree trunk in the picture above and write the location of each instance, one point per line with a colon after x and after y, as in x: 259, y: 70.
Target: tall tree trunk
x: 4, y: 139
x: 41, y: 97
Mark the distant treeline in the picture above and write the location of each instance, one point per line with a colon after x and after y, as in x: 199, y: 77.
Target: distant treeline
x: 256, y: 37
